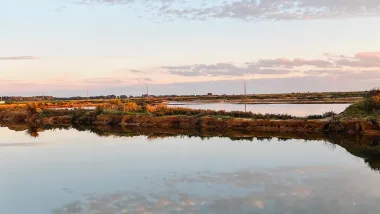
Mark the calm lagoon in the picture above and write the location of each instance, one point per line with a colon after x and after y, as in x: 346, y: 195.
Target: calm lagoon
x: 70, y: 171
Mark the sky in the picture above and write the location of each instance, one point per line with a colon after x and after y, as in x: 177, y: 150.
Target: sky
x: 66, y: 47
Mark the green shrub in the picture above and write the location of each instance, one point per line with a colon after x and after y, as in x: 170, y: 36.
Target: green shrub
x: 367, y: 108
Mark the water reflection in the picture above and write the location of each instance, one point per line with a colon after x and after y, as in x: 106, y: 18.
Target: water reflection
x: 88, y: 170
x: 366, y: 147
x: 291, y: 109
x: 283, y: 190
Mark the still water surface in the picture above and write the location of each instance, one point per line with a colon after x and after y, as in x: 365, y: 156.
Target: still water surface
x: 291, y: 109
x: 67, y: 171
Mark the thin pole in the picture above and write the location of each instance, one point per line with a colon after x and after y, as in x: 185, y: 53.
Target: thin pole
x: 245, y: 89
x: 147, y: 91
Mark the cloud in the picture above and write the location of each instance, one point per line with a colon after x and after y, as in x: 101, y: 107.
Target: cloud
x: 103, y: 81
x: 254, y: 10
x: 287, y: 63
x: 369, y: 56
x: 330, y: 64
x: 137, y: 71
x: 161, y: 3
x: 87, y: 2
x: 108, y: 81
x: 282, y: 10
x: 331, y: 80
x: 18, y: 58
x: 361, y: 59
x: 221, y: 69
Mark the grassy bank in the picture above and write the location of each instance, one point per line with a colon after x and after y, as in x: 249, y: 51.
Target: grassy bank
x: 366, y: 109
x: 360, y: 118
x: 116, y: 107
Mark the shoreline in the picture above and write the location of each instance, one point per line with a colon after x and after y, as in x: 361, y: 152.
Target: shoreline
x: 202, y: 102
x: 215, y: 123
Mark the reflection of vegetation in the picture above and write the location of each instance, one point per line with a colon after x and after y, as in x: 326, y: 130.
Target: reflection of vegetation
x: 365, y: 147
x: 33, y: 131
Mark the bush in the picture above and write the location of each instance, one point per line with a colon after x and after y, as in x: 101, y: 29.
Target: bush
x: 376, y: 102
x: 33, y: 108
x: 373, y: 92
x: 115, y: 102
x: 328, y: 114
x: 132, y: 107
x: 368, y: 108
x: 150, y: 109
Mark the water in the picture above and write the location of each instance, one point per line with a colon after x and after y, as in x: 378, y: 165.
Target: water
x: 72, y: 108
x: 291, y: 109
x: 70, y: 171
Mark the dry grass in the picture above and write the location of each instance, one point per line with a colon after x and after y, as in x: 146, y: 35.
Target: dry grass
x: 117, y: 107
x: 158, y: 108
x: 376, y: 101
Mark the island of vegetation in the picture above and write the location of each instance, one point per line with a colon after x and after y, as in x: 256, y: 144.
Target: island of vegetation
x: 362, y: 117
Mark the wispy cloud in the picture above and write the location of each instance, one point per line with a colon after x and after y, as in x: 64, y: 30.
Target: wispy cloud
x: 103, y: 81
x: 288, y: 63
x: 18, y: 58
x: 282, y: 10
x: 255, y: 9
x: 114, y: 81
x: 137, y: 71
x: 328, y: 65
x: 104, y: 1
x: 221, y: 69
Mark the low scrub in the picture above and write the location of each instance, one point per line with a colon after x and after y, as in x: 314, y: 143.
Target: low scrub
x: 164, y: 110
x: 368, y: 108
x: 37, y: 110
x: 325, y: 115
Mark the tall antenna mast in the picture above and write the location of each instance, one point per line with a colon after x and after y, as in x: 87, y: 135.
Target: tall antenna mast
x: 147, y: 91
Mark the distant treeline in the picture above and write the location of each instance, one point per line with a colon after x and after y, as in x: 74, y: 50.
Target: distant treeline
x: 299, y: 96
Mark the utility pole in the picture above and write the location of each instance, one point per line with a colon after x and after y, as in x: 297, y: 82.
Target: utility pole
x: 147, y: 91
x: 245, y: 89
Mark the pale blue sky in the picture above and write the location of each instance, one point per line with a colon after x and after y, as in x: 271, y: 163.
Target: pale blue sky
x: 71, y: 46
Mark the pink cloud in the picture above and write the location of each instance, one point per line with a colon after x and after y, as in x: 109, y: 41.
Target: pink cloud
x: 369, y: 56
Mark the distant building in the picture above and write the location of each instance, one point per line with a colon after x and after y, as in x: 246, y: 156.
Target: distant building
x: 209, y: 94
